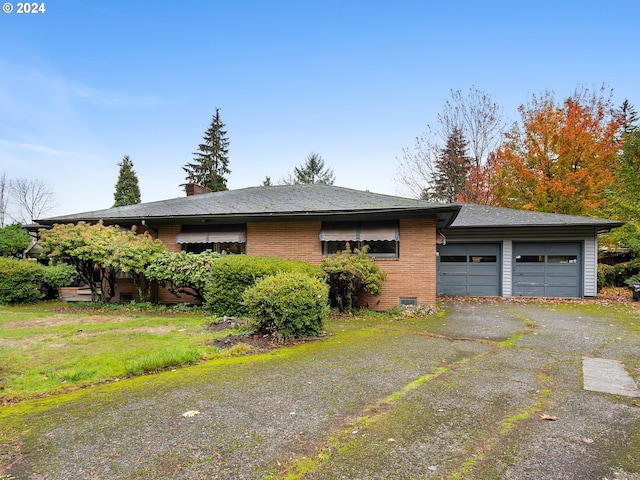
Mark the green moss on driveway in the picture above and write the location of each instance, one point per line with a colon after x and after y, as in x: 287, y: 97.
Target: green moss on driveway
x: 458, y: 396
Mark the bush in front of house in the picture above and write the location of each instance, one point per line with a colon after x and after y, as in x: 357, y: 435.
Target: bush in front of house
x: 350, y: 275
x: 606, y: 276
x: 183, y: 272
x: 288, y: 305
x: 230, y: 276
x: 26, y: 281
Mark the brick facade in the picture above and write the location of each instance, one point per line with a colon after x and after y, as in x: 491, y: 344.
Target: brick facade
x: 411, y: 275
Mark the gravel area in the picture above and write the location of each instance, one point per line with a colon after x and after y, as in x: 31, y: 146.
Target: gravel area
x: 492, y: 389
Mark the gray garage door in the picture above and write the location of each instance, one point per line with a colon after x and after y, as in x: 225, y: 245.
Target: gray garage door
x: 469, y: 269
x: 547, y: 269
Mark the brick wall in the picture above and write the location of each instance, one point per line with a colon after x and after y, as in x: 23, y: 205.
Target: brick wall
x: 412, y: 275
x: 295, y: 241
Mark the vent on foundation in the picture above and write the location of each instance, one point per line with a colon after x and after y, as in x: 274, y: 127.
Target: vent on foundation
x: 407, y: 301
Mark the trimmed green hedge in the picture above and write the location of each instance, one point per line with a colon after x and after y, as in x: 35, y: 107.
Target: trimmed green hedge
x: 26, y: 281
x: 230, y: 276
x: 288, y: 305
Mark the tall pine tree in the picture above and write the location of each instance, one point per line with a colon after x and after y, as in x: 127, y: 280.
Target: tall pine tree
x: 211, y: 161
x: 451, y: 170
x: 127, y: 188
x: 312, y: 171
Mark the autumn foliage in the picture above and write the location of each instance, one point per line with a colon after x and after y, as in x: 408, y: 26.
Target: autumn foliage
x: 561, y: 157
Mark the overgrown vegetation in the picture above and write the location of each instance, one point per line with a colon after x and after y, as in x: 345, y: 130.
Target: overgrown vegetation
x: 620, y: 275
x: 350, y: 275
x: 14, y: 240
x: 107, y: 249
x: 183, y: 272
x: 50, y: 348
x: 230, y: 276
x: 26, y: 281
x: 288, y: 305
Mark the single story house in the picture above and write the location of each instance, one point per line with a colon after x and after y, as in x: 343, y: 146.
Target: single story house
x: 425, y: 248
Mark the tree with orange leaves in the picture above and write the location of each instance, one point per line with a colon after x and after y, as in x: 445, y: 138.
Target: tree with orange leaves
x: 560, y: 157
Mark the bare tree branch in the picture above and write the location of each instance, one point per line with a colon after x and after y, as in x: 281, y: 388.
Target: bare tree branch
x: 33, y: 196
x: 4, y: 199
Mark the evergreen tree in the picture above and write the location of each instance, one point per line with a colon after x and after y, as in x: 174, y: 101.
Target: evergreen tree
x: 127, y: 189
x: 211, y: 161
x: 313, y: 171
x: 451, y: 169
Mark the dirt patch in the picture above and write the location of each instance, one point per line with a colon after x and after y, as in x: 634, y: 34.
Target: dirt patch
x: 258, y: 343
x: 61, y: 319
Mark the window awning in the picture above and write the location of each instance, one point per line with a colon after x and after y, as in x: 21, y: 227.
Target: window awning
x: 218, y: 234
x: 359, y: 232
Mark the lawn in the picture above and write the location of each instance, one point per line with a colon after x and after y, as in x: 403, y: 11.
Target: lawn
x: 52, y: 347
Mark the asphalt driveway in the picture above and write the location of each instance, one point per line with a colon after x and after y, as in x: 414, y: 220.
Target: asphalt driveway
x: 492, y: 389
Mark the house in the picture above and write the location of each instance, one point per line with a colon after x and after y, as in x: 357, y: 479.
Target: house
x: 463, y: 249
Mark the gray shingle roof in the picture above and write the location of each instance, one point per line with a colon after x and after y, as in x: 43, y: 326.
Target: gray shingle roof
x: 283, y: 200
x: 472, y: 215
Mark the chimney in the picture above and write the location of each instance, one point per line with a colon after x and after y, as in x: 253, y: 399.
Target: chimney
x: 195, y: 189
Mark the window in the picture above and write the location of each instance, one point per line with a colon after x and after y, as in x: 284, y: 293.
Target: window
x: 453, y: 258
x: 530, y: 259
x: 483, y: 259
x: 224, y: 239
x: 223, y: 248
x: 562, y: 259
x: 381, y: 237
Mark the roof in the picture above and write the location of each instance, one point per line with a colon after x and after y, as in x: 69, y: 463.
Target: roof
x: 482, y: 216
x: 282, y: 201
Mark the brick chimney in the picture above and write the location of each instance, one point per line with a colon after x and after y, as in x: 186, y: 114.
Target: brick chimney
x: 195, y: 189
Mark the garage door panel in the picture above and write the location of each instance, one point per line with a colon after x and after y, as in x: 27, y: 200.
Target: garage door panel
x: 547, y: 270
x: 455, y: 280
x: 469, y: 269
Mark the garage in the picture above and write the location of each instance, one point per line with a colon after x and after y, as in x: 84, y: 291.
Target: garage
x: 547, y: 269
x: 469, y: 269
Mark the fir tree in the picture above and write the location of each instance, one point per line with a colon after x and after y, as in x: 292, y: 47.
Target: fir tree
x: 452, y: 168
x: 211, y: 161
x: 127, y: 189
x: 313, y: 171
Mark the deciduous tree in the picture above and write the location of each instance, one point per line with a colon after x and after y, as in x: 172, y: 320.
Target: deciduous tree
x: 624, y: 195
x: 560, y: 157
x: 127, y: 189
x: 4, y: 199
x: 479, y: 120
x: 34, y: 198
x: 211, y: 162
x: 107, y: 249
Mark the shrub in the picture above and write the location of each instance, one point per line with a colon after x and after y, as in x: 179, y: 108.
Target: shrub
x: 13, y: 240
x: 230, y: 276
x: 26, y: 281
x: 54, y: 277
x: 350, y: 275
x: 606, y: 276
x: 288, y: 305
x: 183, y: 272
x: 20, y: 281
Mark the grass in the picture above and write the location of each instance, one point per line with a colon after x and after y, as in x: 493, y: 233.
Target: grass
x: 49, y: 348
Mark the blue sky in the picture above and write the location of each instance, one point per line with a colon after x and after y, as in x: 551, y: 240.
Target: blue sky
x: 88, y: 82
